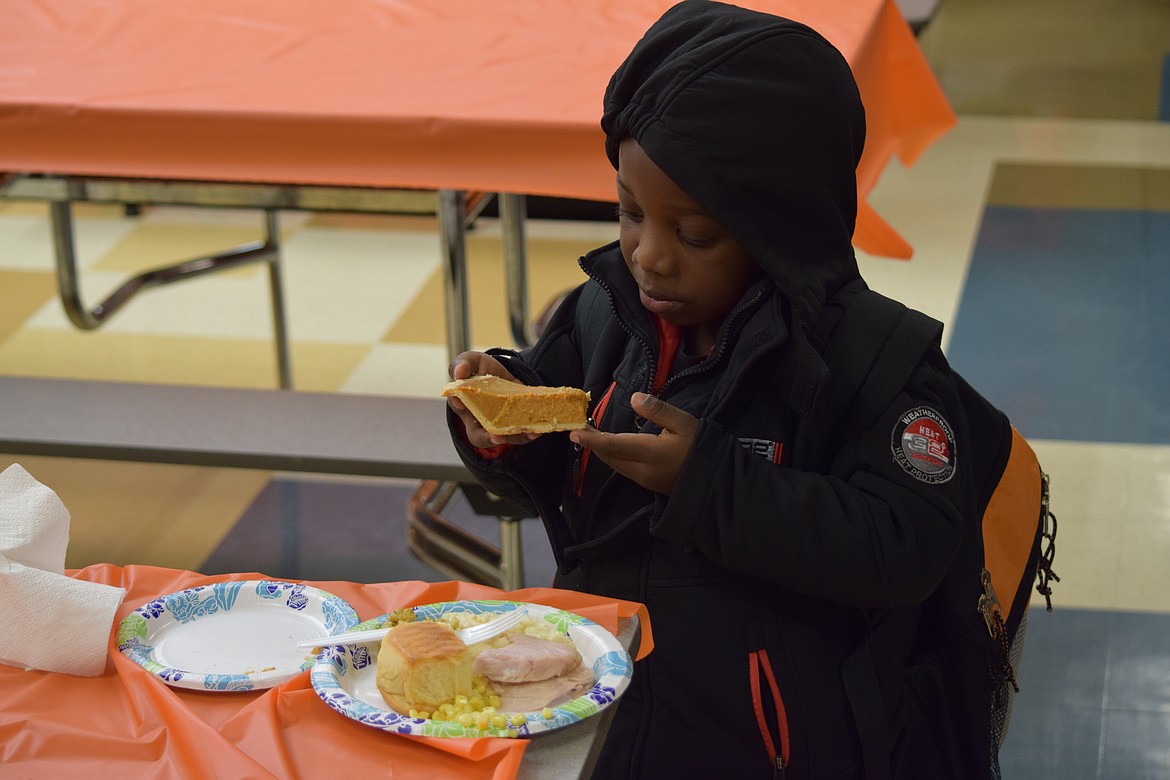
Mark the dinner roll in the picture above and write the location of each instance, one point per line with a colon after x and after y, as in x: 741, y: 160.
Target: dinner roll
x: 421, y: 665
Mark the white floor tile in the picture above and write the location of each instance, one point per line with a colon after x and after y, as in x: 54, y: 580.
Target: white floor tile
x: 27, y: 245
x: 400, y: 369
x: 352, y: 286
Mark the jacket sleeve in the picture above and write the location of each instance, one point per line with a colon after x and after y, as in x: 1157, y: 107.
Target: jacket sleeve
x: 866, y: 533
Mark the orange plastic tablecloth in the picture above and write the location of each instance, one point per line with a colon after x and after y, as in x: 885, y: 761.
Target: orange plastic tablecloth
x: 430, y: 94
x: 126, y: 723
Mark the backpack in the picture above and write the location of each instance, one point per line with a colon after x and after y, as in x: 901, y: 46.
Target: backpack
x: 975, y: 621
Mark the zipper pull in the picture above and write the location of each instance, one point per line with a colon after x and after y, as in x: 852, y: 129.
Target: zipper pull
x: 992, y: 612
x: 778, y: 769
x: 989, y: 605
x: 578, y: 455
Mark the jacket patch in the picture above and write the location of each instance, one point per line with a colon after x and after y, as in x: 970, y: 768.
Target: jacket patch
x: 772, y: 450
x: 923, y: 445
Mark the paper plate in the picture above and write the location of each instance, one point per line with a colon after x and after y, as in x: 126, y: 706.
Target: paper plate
x: 345, y: 677
x: 231, y: 636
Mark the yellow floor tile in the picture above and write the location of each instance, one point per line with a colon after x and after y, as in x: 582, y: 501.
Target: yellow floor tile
x: 24, y: 292
x: 552, y: 268
x: 1111, y: 506
x: 160, y: 515
x: 1080, y: 187
x: 99, y: 355
x: 1058, y: 58
x: 379, y: 222
x: 154, y: 244
x: 1143, y: 579
x: 80, y: 210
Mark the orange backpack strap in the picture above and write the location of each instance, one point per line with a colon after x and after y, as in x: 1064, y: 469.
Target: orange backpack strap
x: 1008, y: 543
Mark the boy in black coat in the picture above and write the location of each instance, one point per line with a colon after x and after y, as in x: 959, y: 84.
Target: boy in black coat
x: 712, y: 487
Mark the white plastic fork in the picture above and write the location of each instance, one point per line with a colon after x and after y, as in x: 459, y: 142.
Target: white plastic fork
x: 493, y: 628
x: 470, y: 635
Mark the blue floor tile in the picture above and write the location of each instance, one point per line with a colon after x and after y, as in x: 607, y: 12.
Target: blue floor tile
x: 1064, y: 322
x: 1056, y: 721
x: 1057, y: 743
x: 326, y: 530
x: 1139, y: 663
x: 1137, y: 746
x: 1094, y: 701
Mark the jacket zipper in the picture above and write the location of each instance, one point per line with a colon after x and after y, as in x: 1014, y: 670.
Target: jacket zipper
x: 599, y: 410
x: 757, y: 662
x: 722, y: 346
x: 583, y: 452
x: 650, y: 353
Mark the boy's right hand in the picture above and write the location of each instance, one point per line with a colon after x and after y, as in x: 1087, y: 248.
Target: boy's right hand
x: 469, y: 364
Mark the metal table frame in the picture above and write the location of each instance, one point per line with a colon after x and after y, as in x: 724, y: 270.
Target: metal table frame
x: 456, y: 211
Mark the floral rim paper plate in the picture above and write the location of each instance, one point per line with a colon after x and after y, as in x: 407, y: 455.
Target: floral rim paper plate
x: 345, y: 677
x: 231, y: 636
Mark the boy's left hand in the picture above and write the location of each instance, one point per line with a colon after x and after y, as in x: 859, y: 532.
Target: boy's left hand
x: 654, y: 462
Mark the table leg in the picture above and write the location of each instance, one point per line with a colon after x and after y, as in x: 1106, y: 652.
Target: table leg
x: 513, y: 211
x: 511, y: 554
x: 452, y: 238
x: 85, y: 318
x: 456, y: 211
x: 276, y: 285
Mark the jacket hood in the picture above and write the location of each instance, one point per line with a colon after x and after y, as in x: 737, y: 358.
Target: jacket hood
x: 758, y: 119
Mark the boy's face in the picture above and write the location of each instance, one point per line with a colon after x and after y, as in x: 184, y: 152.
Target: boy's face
x: 689, y: 269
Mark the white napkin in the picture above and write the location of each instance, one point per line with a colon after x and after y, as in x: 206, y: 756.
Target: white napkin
x: 47, y: 621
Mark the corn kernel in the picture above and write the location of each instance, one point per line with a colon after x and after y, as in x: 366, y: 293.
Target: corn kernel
x: 518, y: 719
x: 546, y: 713
x: 465, y: 719
x: 498, y: 721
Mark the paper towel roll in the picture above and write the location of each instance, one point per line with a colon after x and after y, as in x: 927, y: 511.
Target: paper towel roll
x: 50, y: 622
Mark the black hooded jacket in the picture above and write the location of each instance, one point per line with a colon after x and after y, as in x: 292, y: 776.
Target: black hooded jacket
x: 785, y: 542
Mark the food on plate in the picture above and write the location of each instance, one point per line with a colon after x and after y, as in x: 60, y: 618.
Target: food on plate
x: 530, y: 672
x: 421, y: 665
x: 424, y: 670
x: 526, y: 659
x: 505, y: 408
x: 542, y: 694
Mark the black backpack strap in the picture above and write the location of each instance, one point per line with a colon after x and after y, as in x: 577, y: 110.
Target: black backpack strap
x: 860, y: 677
x: 871, y: 352
x: 871, y: 344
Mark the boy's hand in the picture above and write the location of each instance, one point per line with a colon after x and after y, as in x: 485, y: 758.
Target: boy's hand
x: 469, y: 364
x: 652, y: 461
